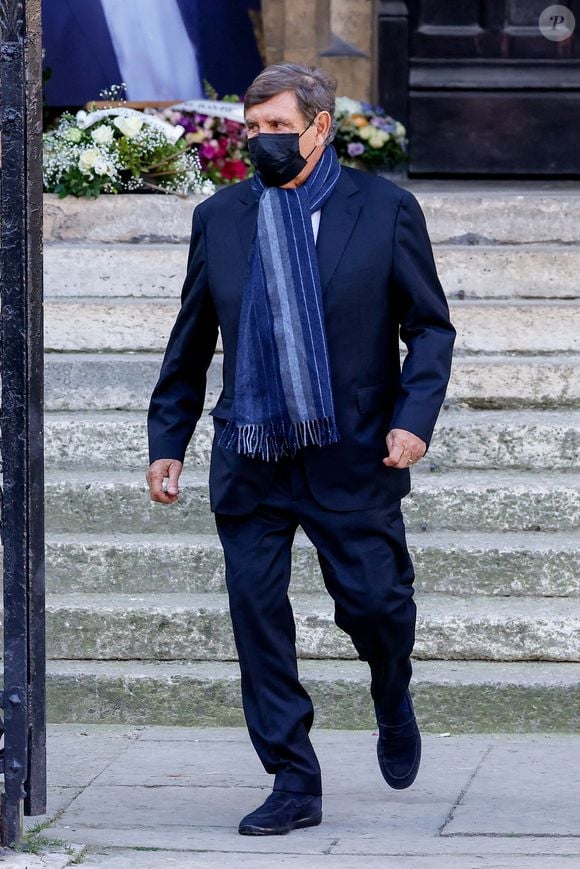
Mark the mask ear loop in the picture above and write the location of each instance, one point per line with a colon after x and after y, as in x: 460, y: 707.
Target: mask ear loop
x: 302, y: 133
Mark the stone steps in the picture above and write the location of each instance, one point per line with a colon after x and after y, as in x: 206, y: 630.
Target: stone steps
x: 458, y: 213
x: 124, y: 381
x: 449, y: 696
x: 512, y: 563
x: 531, y: 439
x: 142, y: 325
x: 484, y: 271
x: 190, y: 627
x: 131, y: 579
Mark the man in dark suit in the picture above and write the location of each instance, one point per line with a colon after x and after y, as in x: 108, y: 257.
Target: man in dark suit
x: 91, y: 45
x: 311, y: 271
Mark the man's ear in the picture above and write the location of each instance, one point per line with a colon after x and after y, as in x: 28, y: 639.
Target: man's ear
x: 322, y: 123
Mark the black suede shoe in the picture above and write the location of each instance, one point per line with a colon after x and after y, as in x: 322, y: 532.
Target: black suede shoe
x: 283, y: 811
x: 399, y: 745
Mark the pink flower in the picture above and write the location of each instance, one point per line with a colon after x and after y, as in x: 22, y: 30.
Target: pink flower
x: 233, y: 127
x: 208, y: 151
x: 233, y: 169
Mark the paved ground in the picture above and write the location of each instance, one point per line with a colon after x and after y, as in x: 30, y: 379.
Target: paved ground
x: 152, y: 797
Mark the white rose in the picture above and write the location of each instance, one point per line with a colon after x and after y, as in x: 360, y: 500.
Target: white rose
x: 377, y: 141
x: 101, y: 167
x: 367, y: 132
x: 81, y: 116
x: 102, y: 135
x: 128, y: 125
x: 88, y: 158
x: 399, y: 129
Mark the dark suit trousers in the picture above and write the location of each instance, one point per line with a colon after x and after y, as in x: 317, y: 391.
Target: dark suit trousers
x: 366, y: 568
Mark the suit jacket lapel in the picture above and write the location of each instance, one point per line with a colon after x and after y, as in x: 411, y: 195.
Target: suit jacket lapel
x: 337, y: 220
x: 246, y: 218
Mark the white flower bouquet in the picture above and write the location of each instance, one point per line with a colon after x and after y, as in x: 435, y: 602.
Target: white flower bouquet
x: 119, y: 149
x: 368, y: 138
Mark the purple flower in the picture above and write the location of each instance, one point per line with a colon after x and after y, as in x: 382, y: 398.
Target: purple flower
x: 187, y: 123
x: 355, y: 149
x: 386, y: 124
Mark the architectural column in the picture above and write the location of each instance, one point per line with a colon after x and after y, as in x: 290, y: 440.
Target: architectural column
x: 334, y: 34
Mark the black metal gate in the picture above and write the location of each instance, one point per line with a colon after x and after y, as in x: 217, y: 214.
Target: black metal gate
x: 21, y: 416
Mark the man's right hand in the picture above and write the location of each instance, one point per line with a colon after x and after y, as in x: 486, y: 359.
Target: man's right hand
x: 160, y: 470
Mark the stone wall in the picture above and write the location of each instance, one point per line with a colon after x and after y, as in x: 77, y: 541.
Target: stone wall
x: 334, y: 34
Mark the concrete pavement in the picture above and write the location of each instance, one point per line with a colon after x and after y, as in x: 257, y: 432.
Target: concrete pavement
x: 172, y: 797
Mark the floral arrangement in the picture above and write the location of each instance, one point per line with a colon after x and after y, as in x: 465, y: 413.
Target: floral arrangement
x: 183, y: 150
x: 368, y: 138
x: 221, y: 141
x: 119, y: 149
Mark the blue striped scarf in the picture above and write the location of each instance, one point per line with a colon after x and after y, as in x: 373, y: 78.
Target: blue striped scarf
x: 283, y: 396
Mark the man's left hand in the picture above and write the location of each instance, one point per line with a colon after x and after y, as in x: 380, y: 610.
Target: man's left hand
x: 404, y: 448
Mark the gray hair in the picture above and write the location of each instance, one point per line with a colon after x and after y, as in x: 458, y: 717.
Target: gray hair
x: 314, y: 88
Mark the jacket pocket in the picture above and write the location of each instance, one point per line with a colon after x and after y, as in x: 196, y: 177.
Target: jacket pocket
x: 374, y: 397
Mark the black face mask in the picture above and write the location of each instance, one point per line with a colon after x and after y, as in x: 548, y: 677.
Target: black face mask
x: 277, y: 156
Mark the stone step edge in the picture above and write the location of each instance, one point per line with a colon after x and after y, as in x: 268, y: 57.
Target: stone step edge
x: 431, y: 604
x: 449, y: 696
x: 513, y: 540
x: 129, y: 356
x: 450, y: 415
x: 442, y: 672
x: 521, y: 246
x: 484, y: 479
x: 173, y: 302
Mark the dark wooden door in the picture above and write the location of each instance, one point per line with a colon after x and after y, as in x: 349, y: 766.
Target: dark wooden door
x: 487, y: 92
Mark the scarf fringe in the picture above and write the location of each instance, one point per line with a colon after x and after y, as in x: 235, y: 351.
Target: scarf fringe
x: 269, y: 440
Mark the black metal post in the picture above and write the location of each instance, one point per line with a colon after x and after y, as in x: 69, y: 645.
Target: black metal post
x: 21, y: 415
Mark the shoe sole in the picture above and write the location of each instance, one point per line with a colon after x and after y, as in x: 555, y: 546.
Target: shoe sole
x: 281, y: 831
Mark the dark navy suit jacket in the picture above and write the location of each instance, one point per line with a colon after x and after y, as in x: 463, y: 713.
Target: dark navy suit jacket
x: 378, y: 275
x: 79, y: 50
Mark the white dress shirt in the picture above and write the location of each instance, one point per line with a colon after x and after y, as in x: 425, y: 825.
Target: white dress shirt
x: 155, y: 55
x: 315, y: 216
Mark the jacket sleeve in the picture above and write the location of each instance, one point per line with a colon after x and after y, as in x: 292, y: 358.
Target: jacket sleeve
x: 425, y: 327
x: 178, y: 397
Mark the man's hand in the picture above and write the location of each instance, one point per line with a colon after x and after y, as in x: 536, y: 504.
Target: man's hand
x: 404, y: 448
x: 160, y: 470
